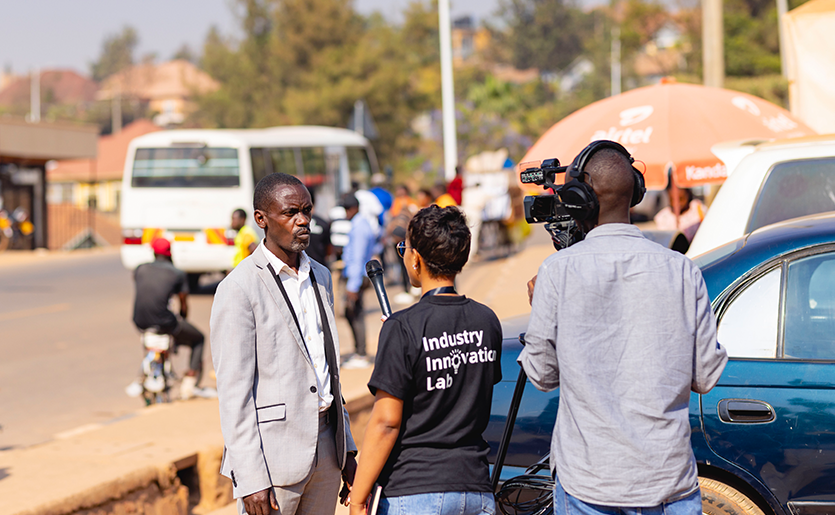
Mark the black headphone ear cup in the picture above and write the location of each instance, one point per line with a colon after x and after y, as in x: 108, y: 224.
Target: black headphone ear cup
x: 582, y: 195
x: 639, y: 188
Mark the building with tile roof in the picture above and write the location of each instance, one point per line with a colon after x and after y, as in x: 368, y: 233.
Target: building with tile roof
x: 82, y: 182
x: 168, y: 88
x: 59, y: 87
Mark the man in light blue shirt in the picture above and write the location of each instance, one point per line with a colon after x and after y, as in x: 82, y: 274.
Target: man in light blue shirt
x: 362, y: 240
x: 624, y: 328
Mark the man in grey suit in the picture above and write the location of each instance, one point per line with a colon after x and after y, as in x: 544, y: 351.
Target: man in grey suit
x: 275, y: 348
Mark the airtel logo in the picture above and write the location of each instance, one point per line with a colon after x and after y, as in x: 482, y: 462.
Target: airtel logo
x: 634, y: 115
x: 746, y: 105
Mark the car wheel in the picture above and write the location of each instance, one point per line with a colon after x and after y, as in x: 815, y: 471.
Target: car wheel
x: 721, y: 499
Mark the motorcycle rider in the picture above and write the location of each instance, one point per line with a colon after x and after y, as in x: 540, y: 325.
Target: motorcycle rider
x: 156, y: 283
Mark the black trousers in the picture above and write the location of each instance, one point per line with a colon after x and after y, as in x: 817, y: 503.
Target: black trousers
x: 356, y: 318
x: 187, y: 335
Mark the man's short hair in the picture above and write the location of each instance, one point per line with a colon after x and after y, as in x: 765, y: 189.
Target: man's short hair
x: 240, y: 213
x: 441, y: 236
x: 349, y: 200
x: 266, y: 188
x: 612, y: 168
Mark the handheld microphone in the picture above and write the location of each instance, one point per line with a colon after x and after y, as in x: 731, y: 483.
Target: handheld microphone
x: 375, y: 273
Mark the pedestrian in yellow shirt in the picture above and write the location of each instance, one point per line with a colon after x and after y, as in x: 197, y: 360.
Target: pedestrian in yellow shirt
x: 442, y: 198
x: 246, y: 241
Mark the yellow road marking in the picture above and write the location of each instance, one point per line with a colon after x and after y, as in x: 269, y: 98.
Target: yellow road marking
x: 23, y: 313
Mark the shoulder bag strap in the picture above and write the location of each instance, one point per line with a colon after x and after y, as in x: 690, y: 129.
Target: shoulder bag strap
x: 289, y: 305
x: 333, y: 368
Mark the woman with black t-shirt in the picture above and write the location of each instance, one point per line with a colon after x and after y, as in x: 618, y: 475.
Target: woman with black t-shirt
x: 437, y: 362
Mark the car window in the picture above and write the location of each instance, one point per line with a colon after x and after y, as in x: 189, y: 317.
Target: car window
x: 810, y: 308
x: 793, y: 189
x: 748, y: 327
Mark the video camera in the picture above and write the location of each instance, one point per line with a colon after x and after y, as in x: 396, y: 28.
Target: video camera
x: 548, y: 209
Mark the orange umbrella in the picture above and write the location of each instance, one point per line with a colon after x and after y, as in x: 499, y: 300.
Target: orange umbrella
x: 669, y: 126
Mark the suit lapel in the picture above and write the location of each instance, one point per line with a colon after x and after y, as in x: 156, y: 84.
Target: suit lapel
x: 267, y: 278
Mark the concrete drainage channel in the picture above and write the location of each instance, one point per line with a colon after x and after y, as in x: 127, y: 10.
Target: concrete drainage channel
x: 191, y: 485
x: 188, y: 486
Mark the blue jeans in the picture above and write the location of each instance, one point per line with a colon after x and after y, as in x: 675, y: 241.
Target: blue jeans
x: 566, y: 504
x: 442, y: 503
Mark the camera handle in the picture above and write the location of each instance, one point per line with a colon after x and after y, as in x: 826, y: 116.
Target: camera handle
x: 510, y: 422
x: 565, y: 233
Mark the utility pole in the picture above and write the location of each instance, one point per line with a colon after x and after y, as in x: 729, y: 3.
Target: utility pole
x: 359, y: 117
x: 447, y: 91
x: 616, y: 67
x: 116, y: 109
x: 782, y: 9
x: 713, y: 44
x: 35, y: 96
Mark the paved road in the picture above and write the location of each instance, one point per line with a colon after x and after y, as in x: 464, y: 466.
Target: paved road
x: 68, y: 347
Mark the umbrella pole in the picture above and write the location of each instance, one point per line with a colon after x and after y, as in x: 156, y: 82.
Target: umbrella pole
x: 674, y: 194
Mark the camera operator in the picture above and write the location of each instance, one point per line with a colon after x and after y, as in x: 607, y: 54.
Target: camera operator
x: 624, y: 327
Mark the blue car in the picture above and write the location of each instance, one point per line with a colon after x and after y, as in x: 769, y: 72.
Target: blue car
x: 764, y: 437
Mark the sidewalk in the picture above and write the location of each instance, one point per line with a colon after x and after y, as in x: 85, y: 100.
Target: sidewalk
x: 137, y: 460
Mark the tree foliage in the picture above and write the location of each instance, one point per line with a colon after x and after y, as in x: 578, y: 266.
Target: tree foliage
x: 544, y: 34
x: 308, y: 61
x: 116, y: 54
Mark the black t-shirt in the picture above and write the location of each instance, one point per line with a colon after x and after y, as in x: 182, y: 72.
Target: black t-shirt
x: 442, y: 357
x: 320, y: 238
x: 156, y: 282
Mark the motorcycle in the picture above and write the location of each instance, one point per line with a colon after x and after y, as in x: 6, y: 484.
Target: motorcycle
x: 157, y: 373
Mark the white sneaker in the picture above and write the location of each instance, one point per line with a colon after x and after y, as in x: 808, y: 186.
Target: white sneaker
x: 134, y: 389
x: 404, y: 298
x: 205, y: 393
x: 356, y: 361
x: 187, y: 387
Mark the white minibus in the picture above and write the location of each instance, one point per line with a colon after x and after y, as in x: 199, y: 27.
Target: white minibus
x: 184, y: 185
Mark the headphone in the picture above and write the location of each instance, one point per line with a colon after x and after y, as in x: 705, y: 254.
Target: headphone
x: 578, y: 196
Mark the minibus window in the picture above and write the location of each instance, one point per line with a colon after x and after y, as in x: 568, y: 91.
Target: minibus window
x: 191, y: 167
x: 358, y: 165
x: 284, y: 160
x: 313, y: 159
x: 259, y: 164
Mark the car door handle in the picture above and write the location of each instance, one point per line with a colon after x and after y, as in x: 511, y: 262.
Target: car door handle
x: 744, y: 411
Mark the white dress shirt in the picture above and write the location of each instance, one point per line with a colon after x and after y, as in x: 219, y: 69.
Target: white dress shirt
x: 303, y: 300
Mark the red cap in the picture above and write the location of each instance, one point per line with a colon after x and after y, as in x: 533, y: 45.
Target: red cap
x: 162, y: 247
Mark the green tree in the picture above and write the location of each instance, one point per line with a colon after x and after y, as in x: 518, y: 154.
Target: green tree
x: 116, y: 54
x: 544, y: 34
x: 752, y: 45
x: 308, y: 61
x: 185, y: 53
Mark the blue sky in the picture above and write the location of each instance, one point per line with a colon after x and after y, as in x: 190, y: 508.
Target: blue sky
x: 69, y: 33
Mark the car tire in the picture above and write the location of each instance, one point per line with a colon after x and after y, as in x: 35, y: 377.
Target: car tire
x: 721, y: 499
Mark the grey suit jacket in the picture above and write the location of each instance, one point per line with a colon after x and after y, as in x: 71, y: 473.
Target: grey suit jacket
x: 269, y: 408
